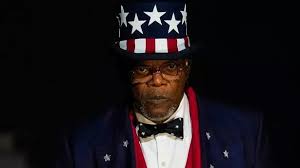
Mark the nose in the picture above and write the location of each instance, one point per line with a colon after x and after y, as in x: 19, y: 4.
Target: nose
x: 157, y: 80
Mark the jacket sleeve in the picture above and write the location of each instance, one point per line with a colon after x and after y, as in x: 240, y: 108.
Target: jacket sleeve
x: 262, y: 155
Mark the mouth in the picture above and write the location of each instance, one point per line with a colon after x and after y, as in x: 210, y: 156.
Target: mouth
x: 157, y: 99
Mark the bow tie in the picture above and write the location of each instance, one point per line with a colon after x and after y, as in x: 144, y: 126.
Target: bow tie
x: 174, y: 128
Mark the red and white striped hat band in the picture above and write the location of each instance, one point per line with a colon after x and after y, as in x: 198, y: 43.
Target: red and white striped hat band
x: 151, y: 45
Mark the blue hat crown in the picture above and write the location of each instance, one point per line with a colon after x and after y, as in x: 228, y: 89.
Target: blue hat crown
x: 152, y: 26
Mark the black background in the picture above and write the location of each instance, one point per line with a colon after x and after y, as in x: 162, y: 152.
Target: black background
x: 56, y: 68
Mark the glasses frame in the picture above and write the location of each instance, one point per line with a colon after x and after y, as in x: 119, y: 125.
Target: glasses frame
x: 154, y: 70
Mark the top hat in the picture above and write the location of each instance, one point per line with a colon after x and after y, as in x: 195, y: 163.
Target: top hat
x: 153, y: 29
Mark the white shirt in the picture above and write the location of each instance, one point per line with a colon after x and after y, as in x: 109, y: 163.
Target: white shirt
x: 165, y: 151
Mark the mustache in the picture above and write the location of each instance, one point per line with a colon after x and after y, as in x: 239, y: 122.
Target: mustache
x: 156, y: 97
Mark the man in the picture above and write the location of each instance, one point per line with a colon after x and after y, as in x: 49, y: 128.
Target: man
x: 165, y: 124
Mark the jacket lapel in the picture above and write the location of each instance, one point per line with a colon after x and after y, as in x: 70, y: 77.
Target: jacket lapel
x: 221, y: 139
x: 203, y: 130
x: 118, y: 145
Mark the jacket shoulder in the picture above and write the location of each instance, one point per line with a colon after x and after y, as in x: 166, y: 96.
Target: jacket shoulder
x: 244, y: 120
x: 98, y: 126
x: 242, y: 129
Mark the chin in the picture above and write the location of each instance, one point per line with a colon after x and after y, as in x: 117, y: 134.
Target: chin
x: 159, y: 114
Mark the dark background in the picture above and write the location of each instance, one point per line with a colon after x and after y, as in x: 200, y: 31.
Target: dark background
x: 56, y: 68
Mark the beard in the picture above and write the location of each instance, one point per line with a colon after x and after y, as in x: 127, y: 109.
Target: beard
x: 157, y: 117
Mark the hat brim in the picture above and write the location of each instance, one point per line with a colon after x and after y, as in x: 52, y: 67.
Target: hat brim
x: 184, y: 54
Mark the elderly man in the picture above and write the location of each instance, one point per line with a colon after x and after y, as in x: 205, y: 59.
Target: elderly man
x: 165, y: 124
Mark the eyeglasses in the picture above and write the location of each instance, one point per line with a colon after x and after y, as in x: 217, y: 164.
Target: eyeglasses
x: 169, y: 70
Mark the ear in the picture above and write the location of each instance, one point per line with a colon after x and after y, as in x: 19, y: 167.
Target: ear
x: 188, y: 63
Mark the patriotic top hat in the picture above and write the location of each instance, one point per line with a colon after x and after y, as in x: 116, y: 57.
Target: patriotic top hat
x: 153, y: 29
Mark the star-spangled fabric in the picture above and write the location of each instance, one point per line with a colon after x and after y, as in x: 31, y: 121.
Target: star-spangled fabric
x: 153, y: 27
x: 230, y: 138
x: 154, y: 30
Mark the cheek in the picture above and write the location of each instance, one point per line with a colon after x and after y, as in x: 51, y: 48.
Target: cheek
x: 175, y: 90
x: 177, y: 87
x: 138, y: 91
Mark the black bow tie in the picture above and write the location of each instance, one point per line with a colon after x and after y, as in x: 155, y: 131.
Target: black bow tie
x: 174, y: 128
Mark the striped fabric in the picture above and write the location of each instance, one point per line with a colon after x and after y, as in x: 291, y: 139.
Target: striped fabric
x: 151, y: 45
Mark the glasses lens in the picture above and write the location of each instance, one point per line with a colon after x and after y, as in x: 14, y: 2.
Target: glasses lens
x: 169, y: 69
x: 141, y: 71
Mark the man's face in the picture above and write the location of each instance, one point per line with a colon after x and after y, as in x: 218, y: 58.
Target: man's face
x: 158, y: 87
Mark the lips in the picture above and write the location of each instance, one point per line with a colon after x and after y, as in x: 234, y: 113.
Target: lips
x: 157, y: 100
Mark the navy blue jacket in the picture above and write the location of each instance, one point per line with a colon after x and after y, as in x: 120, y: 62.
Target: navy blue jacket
x: 102, y: 142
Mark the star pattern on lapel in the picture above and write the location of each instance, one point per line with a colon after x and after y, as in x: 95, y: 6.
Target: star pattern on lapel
x: 208, y: 135
x: 125, y: 143
x: 226, y: 154
x: 107, y: 157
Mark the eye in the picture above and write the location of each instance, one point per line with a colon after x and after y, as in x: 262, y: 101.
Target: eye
x: 172, y: 66
x: 142, y: 70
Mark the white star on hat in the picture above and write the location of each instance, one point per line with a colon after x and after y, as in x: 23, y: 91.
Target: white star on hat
x: 173, y: 24
x: 136, y: 24
x: 155, y: 16
x: 184, y: 15
x: 119, y: 25
x: 123, y: 16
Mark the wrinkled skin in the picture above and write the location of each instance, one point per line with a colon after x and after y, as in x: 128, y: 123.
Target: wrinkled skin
x: 158, y: 98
